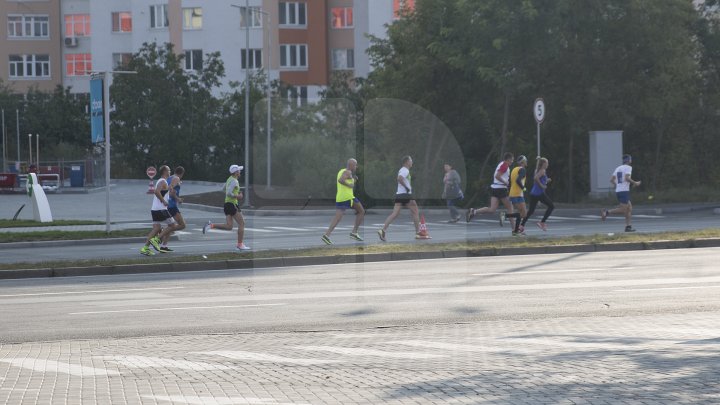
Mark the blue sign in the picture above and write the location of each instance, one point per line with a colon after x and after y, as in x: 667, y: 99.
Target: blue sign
x: 97, y: 114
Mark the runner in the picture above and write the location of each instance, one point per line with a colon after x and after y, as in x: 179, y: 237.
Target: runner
x: 232, y: 197
x: 174, y: 199
x: 345, y: 199
x: 403, y: 198
x: 538, y: 194
x: 160, y: 217
x: 517, y: 192
x: 452, y: 193
x: 499, y: 188
x: 622, y: 181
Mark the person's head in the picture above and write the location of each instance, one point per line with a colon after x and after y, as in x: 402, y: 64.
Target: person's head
x: 542, y: 163
x: 352, y: 164
x: 235, y: 170
x: 407, y: 161
x: 522, y: 160
x: 508, y: 157
x: 447, y: 167
x: 179, y: 171
x: 164, y: 171
x: 627, y: 159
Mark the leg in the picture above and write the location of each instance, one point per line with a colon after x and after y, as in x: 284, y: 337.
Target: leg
x: 494, y: 202
x: 180, y: 222
x: 550, y: 206
x: 156, y: 229
x: 533, y: 204
x: 228, y: 225
x: 359, y: 216
x: 415, y: 216
x: 453, y: 210
x: 241, y: 226
x: 336, y: 220
x: 392, y: 216
x: 628, y: 214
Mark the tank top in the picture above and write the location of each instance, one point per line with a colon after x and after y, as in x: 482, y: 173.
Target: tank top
x: 158, y: 205
x: 515, y: 190
x: 502, y: 168
x: 172, y: 203
x: 537, y: 190
x: 344, y: 193
x: 235, y: 190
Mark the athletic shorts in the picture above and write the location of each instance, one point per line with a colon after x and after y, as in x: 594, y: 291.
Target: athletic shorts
x: 623, y: 197
x: 403, y: 199
x: 173, y: 211
x: 231, y: 209
x: 162, y: 217
x: 499, y: 193
x: 343, y: 205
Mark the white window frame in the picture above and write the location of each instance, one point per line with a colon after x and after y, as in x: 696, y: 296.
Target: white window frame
x: 256, y: 20
x: 190, y: 16
x: 159, y: 16
x: 87, y: 62
x: 29, y: 26
x: 116, y: 15
x: 345, y: 18
x: 117, y: 59
x: 343, y: 59
x: 255, y: 58
x: 299, y: 50
x: 291, y: 11
x: 190, y: 61
x: 30, y: 63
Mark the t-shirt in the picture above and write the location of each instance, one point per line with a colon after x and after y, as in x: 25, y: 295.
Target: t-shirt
x: 158, y: 205
x: 404, y: 172
x: 620, y: 173
x: 515, y: 189
x: 504, y: 169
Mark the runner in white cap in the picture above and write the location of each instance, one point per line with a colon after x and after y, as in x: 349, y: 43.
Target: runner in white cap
x: 233, y: 195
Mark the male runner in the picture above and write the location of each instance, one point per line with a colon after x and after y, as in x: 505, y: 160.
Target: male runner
x: 232, y: 197
x: 174, y: 199
x: 403, y: 198
x: 622, y: 181
x: 160, y: 217
x: 344, y: 199
x: 499, y: 188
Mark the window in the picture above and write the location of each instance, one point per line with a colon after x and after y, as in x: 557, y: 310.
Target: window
x: 255, y: 17
x: 158, y: 16
x: 342, y: 17
x: 292, y: 13
x: 122, y: 22
x: 79, y: 64
x: 28, y: 26
x: 400, y: 6
x: 193, y: 59
x: 255, y: 59
x: 343, y: 59
x: 293, y: 56
x: 192, y: 18
x: 77, y: 25
x: 121, y: 59
x: 22, y: 66
x: 297, y: 95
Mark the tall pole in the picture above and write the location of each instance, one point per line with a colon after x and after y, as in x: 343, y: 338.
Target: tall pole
x: 538, y: 139
x: 17, y: 130
x: 268, y: 185
x: 30, y: 148
x: 246, y: 203
x: 106, y: 112
x: 4, y: 166
x: 37, y: 151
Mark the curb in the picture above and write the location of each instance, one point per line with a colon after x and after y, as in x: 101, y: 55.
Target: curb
x: 73, y: 242
x: 345, y: 259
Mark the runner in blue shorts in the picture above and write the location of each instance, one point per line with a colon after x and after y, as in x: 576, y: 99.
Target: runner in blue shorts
x: 622, y: 180
x: 345, y: 199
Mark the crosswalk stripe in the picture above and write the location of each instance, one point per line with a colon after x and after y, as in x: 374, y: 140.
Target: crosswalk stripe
x: 265, y: 357
x: 214, y: 400
x: 258, y: 230
x: 460, y: 347
x: 51, y: 366
x: 158, y: 362
x: 351, y: 351
x: 283, y: 228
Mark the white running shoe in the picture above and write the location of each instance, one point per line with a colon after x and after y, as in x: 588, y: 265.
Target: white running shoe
x: 243, y: 246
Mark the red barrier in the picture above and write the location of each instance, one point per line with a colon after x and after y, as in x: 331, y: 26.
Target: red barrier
x: 8, y: 180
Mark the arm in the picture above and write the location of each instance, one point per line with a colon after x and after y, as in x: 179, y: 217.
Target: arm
x: 162, y: 186
x: 613, y: 180
x: 537, y: 177
x: 344, y: 179
x: 172, y: 192
x: 499, y: 174
x: 520, y: 177
x: 631, y: 181
x: 401, y: 181
x: 231, y: 187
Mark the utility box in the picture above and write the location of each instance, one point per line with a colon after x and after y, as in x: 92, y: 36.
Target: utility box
x: 77, y: 176
x: 606, y: 150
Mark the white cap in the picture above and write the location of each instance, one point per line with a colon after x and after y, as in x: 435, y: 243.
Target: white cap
x: 235, y: 168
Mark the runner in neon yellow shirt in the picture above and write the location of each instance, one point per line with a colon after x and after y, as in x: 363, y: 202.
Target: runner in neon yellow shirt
x: 344, y: 199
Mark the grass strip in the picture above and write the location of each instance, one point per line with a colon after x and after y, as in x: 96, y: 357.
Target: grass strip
x: 26, y: 223
x: 382, y: 248
x: 8, y: 237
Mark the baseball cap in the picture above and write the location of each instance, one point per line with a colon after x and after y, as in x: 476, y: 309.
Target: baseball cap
x: 235, y: 168
x: 521, y: 158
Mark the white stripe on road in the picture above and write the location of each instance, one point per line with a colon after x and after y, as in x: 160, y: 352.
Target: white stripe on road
x: 283, y: 228
x: 457, y: 347
x: 173, y: 309
x: 89, y: 292
x: 50, y: 366
x: 510, y: 273
x: 260, y: 230
x: 667, y: 288
x: 264, y: 357
x: 351, y: 351
x: 143, y: 362
x: 195, y: 400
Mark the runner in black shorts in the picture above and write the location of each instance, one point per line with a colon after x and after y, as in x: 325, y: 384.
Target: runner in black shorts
x: 499, y: 192
x: 403, y: 198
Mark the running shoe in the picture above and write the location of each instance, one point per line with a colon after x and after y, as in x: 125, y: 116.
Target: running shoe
x: 381, y: 234
x: 469, y: 214
x: 155, y: 242
x: 542, y: 226
x: 521, y: 228
x: 502, y: 218
x: 454, y: 220
x: 603, y: 214
x: 165, y: 249
x: 629, y: 229
x: 356, y: 236
x: 326, y: 239
x: 206, y: 226
x: 242, y: 246
x: 146, y: 251
x: 518, y: 233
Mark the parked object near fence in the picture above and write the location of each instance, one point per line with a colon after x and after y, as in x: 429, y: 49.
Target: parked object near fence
x: 41, y: 206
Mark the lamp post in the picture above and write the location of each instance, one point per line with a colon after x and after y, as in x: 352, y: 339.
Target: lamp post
x: 246, y: 200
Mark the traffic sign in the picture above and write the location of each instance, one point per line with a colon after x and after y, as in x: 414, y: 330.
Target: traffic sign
x: 539, y: 110
x: 151, y: 172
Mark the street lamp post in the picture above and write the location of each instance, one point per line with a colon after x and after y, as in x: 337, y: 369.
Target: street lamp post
x: 246, y: 200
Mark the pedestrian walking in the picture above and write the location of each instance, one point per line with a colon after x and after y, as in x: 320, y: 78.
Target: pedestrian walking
x: 538, y: 193
x: 517, y: 192
x: 499, y: 190
x: 452, y: 192
x: 160, y: 216
x: 403, y: 198
x: 232, y: 211
x: 344, y: 199
x: 622, y: 180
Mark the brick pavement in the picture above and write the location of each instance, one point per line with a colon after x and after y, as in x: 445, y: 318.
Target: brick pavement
x: 655, y: 359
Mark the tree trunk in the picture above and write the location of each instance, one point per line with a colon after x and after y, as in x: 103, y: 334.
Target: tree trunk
x: 658, y: 161
x: 503, y: 133
x: 571, y: 188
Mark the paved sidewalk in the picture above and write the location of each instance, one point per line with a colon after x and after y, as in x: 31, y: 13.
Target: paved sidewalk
x: 655, y: 359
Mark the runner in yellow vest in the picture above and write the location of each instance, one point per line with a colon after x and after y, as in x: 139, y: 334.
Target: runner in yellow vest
x: 233, y: 195
x: 344, y: 199
x: 517, y: 193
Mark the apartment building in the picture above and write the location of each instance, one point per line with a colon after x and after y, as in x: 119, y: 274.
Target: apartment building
x: 300, y: 42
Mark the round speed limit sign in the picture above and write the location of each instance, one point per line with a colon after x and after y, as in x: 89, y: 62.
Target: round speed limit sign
x: 539, y: 110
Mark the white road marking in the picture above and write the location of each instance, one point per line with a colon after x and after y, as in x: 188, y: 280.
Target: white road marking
x: 50, y: 366
x: 173, y: 309
x: 89, y: 292
x: 457, y: 347
x: 260, y: 230
x: 283, y: 228
x: 351, y: 351
x: 265, y: 357
x: 196, y: 400
x: 667, y: 288
x: 159, y: 362
x: 510, y: 273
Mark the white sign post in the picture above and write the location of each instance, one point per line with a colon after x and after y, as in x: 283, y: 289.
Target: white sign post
x: 539, y: 114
